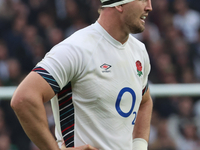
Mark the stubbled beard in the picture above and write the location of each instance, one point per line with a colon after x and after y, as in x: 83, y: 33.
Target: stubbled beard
x: 136, y: 29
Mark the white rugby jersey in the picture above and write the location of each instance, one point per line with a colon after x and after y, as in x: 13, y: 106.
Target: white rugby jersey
x: 98, y: 84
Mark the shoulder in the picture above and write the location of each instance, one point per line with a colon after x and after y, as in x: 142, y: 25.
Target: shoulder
x: 81, y: 43
x: 84, y: 38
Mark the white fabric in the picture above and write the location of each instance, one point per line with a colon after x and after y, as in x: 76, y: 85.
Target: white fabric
x: 116, y: 3
x: 139, y: 144
x: 95, y: 89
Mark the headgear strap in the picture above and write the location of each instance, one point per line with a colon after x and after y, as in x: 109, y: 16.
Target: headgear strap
x: 113, y: 3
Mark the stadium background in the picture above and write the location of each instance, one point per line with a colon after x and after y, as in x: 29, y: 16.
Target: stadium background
x: 29, y: 28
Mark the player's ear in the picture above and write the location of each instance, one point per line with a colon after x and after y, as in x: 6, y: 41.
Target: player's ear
x: 119, y: 8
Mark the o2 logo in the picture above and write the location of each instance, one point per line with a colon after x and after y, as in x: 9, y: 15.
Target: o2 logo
x: 117, y: 104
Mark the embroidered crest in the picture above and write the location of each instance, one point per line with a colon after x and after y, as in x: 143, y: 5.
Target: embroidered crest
x: 139, y: 68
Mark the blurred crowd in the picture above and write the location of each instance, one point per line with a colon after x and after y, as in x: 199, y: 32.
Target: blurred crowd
x: 30, y: 28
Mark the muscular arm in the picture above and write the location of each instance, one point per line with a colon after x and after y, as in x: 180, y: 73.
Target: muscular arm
x: 142, y: 125
x: 27, y: 102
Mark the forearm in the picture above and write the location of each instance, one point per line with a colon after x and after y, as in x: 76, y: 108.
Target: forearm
x: 142, y: 125
x: 32, y: 116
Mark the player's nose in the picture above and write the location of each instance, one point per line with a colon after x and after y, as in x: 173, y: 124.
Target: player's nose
x: 148, y: 6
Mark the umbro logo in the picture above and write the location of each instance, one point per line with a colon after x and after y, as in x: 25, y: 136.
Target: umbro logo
x: 105, y: 67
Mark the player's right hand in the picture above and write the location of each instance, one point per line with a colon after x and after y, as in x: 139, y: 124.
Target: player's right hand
x: 84, y: 147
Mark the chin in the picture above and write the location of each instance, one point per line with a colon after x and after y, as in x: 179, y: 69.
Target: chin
x: 137, y: 30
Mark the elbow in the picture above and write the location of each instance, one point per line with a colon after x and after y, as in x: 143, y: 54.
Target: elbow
x: 23, y: 102
x: 16, y: 103
x: 19, y: 102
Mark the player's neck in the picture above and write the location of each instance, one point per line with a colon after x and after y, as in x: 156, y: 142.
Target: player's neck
x: 111, y: 23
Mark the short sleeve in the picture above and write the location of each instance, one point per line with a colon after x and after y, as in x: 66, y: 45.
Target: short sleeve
x: 63, y: 63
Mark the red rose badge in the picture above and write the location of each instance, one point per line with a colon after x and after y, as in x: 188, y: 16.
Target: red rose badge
x: 139, y: 68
